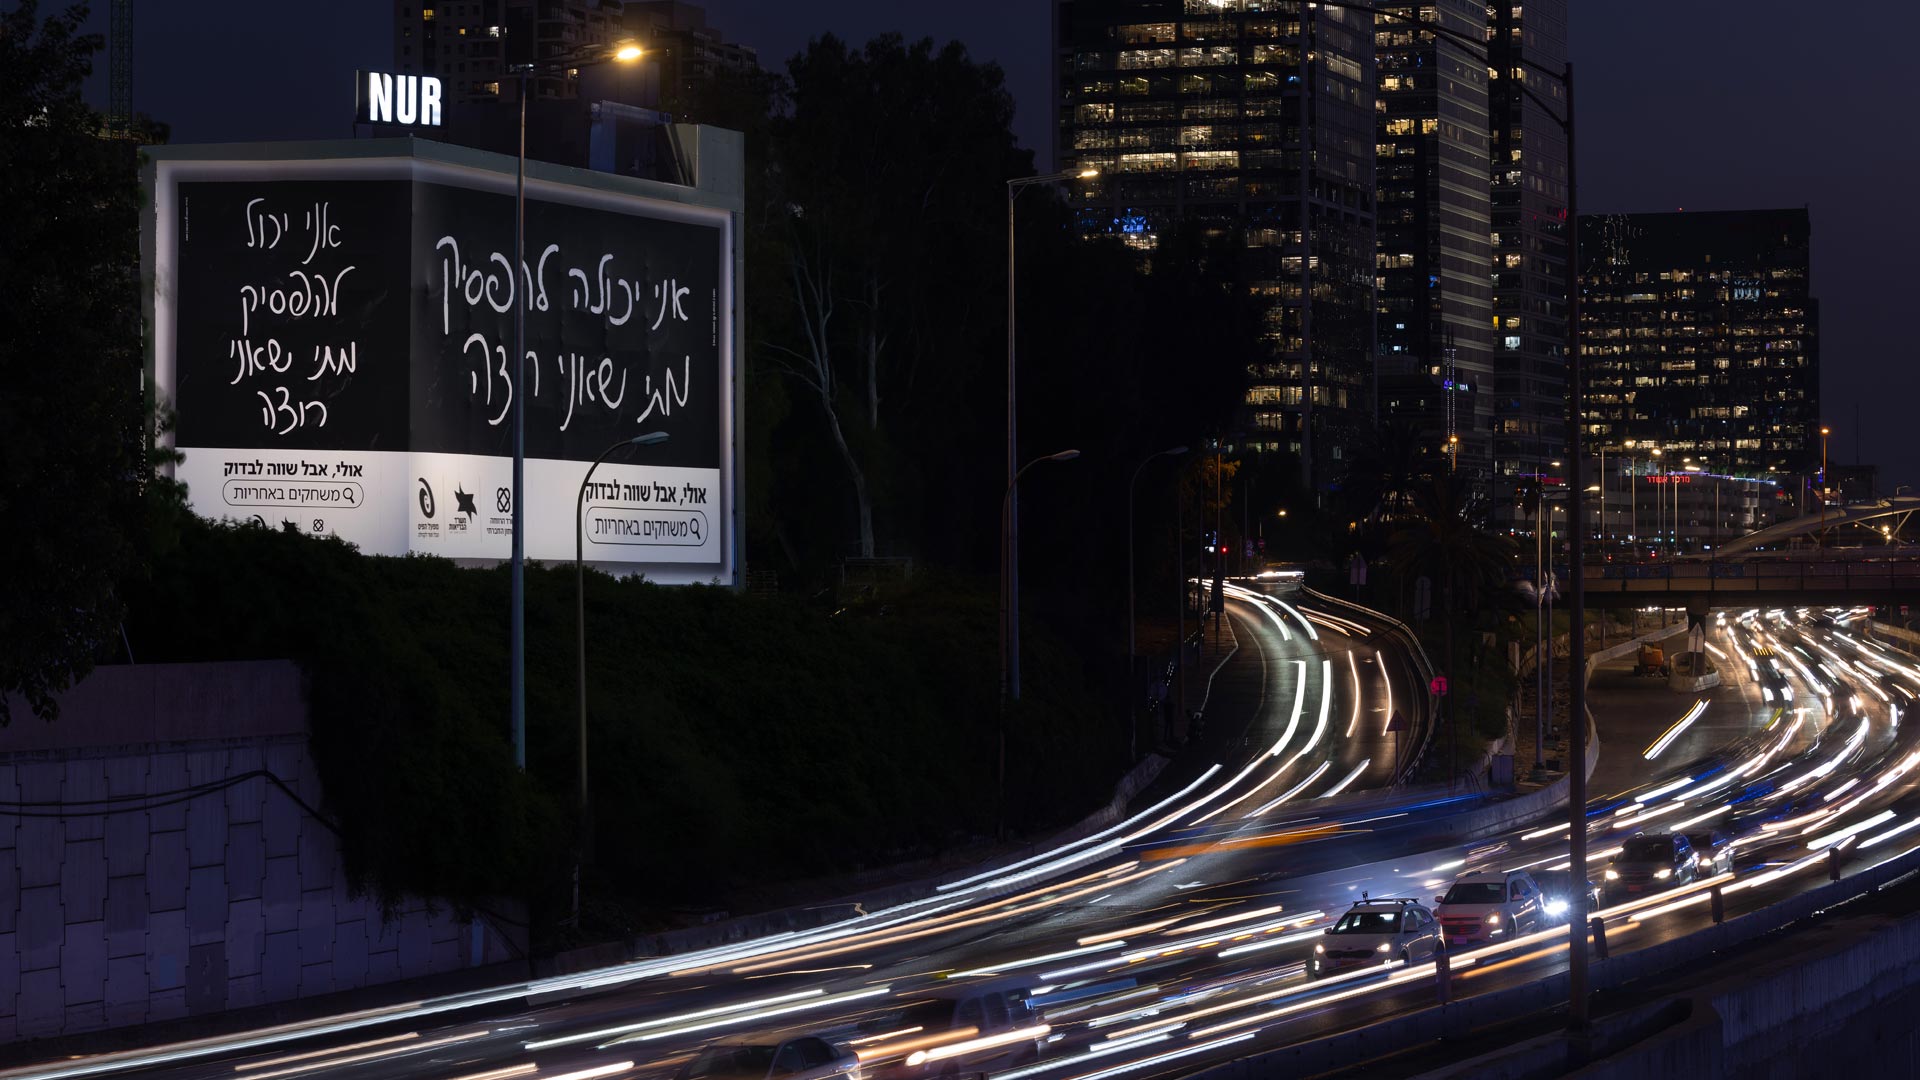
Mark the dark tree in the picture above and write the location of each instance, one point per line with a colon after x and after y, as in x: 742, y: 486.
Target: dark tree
x: 887, y: 171
x: 74, y: 471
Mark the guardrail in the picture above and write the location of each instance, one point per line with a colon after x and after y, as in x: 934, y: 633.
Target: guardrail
x: 1754, y: 576
x: 1457, y: 1018
x: 1423, y: 668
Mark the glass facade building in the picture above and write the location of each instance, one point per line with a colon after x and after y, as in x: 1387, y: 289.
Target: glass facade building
x: 1530, y: 233
x: 1210, y: 112
x: 1434, y: 254
x: 1700, y: 338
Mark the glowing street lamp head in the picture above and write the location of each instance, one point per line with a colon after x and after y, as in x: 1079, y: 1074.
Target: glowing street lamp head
x: 627, y: 51
x: 1088, y: 174
x: 1825, y: 431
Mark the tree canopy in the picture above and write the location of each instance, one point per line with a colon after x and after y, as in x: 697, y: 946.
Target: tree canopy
x: 75, y: 472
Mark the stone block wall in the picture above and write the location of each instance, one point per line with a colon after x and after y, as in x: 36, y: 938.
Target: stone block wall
x: 118, y: 910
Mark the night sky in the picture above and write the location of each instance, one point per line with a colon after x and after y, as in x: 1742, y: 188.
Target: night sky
x: 1702, y: 105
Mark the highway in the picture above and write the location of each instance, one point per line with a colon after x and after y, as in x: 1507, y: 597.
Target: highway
x: 1177, y: 938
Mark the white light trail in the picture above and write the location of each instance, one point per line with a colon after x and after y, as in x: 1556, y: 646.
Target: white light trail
x: 1889, y: 834
x: 1353, y: 666
x: 1036, y: 961
x: 628, y: 1029
x: 1351, y: 777
x: 1664, y: 789
x: 1326, y: 704
x: 1674, y: 732
x: 1827, y: 840
x: 734, y: 1019
x: 1291, y: 792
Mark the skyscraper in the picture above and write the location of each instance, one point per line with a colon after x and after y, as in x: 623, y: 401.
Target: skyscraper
x: 1529, y: 202
x: 1434, y: 258
x: 1196, y: 111
x: 1700, y: 338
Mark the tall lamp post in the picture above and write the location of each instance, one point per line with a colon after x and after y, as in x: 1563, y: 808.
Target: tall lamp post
x: 1577, y: 971
x: 1009, y: 619
x: 1010, y: 520
x: 1824, y: 432
x: 651, y: 438
x: 1132, y: 728
x: 624, y: 52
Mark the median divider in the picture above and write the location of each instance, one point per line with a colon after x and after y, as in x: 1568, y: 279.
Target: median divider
x: 1748, y: 1013
x: 1422, y: 734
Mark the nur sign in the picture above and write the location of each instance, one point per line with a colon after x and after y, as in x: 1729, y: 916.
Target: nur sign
x: 380, y: 98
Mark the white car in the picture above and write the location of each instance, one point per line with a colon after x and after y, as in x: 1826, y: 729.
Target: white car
x: 1490, y: 906
x: 1374, y: 932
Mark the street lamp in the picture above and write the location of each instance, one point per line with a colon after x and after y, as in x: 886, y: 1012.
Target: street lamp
x: 1176, y: 451
x: 626, y: 52
x: 1562, y: 115
x: 651, y: 438
x: 1010, y: 621
x: 1824, y: 432
x: 1010, y: 520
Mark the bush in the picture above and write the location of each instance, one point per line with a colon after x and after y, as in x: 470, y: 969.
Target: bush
x: 733, y: 739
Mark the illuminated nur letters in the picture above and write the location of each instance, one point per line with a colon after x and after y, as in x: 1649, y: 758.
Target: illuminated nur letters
x: 400, y: 99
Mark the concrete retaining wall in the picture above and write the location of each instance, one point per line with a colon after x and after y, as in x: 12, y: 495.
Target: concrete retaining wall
x: 125, y: 897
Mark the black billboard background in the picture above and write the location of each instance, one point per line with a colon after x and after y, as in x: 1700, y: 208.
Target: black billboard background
x: 300, y: 231
x: 672, y: 371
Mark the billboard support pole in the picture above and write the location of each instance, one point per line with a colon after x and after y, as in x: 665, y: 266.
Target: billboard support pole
x: 517, y: 635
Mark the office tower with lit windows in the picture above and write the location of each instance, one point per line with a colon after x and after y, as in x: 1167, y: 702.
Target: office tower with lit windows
x: 1700, y: 338
x: 1192, y: 110
x: 1434, y: 255
x: 1530, y: 233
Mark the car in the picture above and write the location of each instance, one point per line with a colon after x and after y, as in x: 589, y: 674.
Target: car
x: 1490, y: 906
x: 1377, y: 931
x: 994, y: 1022
x: 1714, y: 850
x: 796, y: 1057
x: 1556, y: 894
x: 1649, y: 863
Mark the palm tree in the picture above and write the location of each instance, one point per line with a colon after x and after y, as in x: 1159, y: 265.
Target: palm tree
x: 1388, y: 469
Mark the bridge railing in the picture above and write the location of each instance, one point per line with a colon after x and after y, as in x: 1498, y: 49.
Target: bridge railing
x: 1755, y: 575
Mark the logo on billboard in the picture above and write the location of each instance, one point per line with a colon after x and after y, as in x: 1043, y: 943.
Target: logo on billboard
x: 380, y: 98
x: 465, y: 504
x: 503, y: 500
x: 426, y: 498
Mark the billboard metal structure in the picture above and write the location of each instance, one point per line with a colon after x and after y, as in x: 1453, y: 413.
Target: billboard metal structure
x: 332, y: 322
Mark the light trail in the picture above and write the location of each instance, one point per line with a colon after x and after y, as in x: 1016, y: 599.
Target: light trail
x: 1675, y: 731
x: 1351, y: 777
x: 1353, y: 667
x: 1291, y: 792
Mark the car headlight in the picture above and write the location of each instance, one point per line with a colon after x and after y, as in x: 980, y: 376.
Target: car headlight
x: 1493, y: 919
x: 1613, y: 875
x: 1383, y: 947
x: 1662, y: 874
x: 1556, y: 907
x: 1319, y: 948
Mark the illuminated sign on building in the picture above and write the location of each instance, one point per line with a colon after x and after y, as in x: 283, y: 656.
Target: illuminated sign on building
x: 380, y: 98
x: 333, y: 327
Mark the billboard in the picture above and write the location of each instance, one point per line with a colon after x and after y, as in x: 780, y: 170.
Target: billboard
x: 335, y: 333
